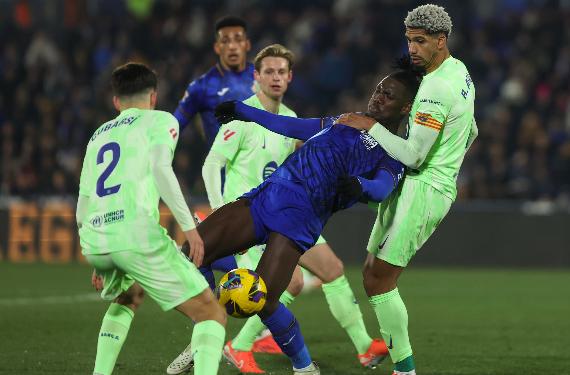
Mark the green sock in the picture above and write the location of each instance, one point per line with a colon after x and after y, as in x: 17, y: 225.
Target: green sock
x: 207, y: 342
x: 393, y: 319
x: 405, y: 365
x: 253, y: 327
x: 346, y: 311
x: 114, y: 330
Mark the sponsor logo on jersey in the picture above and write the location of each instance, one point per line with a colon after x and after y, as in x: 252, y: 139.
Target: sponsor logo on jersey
x: 173, y: 133
x: 368, y: 141
x: 97, y: 221
x: 223, y: 91
x: 269, y: 169
x: 228, y: 134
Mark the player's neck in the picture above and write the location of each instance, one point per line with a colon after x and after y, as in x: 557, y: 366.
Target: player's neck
x: 237, y: 69
x: 438, y: 61
x: 269, y: 104
x: 139, y: 105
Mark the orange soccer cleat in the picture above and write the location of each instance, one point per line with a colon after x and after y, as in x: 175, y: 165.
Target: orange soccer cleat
x: 266, y: 344
x: 243, y: 361
x: 374, y: 355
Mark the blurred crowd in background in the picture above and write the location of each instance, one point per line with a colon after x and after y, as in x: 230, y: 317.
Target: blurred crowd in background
x: 56, y: 58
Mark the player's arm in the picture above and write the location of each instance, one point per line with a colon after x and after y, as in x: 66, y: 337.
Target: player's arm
x: 163, y: 139
x: 291, y: 127
x: 189, y: 105
x: 377, y: 189
x: 226, y: 146
x: 435, y: 103
x: 473, y: 133
x: 211, y: 173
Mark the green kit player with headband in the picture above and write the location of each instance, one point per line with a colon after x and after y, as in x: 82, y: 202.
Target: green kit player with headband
x: 126, y: 170
x: 250, y: 153
x: 442, y: 128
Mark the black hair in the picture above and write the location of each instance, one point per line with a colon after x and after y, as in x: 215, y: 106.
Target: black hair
x: 408, y: 74
x: 132, y: 78
x: 228, y: 21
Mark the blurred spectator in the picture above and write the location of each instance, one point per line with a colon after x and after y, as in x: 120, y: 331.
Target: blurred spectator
x: 54, y: 76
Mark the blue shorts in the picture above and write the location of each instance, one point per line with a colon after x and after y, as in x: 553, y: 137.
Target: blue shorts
x: 284, y: 208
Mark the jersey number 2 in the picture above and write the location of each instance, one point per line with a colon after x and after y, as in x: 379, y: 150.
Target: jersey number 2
x: 115, y: 155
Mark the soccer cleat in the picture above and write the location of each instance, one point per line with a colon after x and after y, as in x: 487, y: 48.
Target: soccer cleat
x: 413, y: 372
x: 312, y: 369
x: 375, y: 354
x: 266, y: 344
x: 182, y: 363
x: 243, y: 361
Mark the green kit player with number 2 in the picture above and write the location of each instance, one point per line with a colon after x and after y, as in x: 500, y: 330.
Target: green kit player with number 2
x: 126, y: 170
x: 442, y: 128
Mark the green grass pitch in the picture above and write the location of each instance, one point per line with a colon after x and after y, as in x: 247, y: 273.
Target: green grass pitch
x: 462, y: 322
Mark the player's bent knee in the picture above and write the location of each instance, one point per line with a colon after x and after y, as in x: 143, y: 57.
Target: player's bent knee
x: 335, y: 270
x: 203, y: 307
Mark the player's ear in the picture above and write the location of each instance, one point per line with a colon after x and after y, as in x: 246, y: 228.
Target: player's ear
x: 217, y: 47
x: 247, y: 45
x: 117, y: 103
x: 256, y: 75
x: 153, y: 99
x: 290, y: 76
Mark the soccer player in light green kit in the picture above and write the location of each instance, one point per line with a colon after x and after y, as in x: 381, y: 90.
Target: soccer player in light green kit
x: 126, y: 170
x: 250, y: 153
x: 442, y: 128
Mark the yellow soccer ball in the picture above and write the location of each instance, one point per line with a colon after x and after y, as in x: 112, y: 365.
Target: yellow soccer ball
x: 242, y: 293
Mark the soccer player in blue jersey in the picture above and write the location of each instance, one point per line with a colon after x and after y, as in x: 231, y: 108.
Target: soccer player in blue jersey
x: 230, y: 79
x: 336, y: 167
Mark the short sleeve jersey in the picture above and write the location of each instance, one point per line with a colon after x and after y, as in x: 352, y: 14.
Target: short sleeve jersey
x: 253, y: 152
x: 444, y: 103
x: 122, y: 209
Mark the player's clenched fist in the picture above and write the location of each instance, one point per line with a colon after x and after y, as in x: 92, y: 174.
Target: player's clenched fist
x: 196, y: 250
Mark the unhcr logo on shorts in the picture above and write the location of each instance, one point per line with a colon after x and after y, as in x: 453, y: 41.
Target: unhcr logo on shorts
x: 269, y: 169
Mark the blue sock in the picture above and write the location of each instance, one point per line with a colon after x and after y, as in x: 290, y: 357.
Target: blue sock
x: 208, y: 275
x: 225, y: 264
x: 288, y: 336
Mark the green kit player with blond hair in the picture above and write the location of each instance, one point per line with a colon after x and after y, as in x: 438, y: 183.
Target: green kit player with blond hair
x: 250, y: 153
x: 126, y: 170
x: 441, y: 130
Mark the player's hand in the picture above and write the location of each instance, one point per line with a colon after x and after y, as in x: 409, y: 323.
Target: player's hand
x: 196, y: 252
x: 97, y: 281
x: 350, y: 187
x: 356, y: 120
x: 225, y: 112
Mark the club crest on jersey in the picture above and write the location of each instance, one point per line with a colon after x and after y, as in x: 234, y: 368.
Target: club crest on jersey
x: 368, y: 141
x: 173, y: 133
x: 269, y: 169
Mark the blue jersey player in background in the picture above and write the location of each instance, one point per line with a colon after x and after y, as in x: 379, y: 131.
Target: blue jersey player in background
x: 230, y: 79
x: 336, y: 167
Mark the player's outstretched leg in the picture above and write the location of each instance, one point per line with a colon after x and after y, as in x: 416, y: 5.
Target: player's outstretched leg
x: 323, y: 262
x: 380, y: 282
x: 276, y: 268
x: 115, y: 327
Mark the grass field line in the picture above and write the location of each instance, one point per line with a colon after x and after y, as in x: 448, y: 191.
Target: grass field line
x: 50, y: 300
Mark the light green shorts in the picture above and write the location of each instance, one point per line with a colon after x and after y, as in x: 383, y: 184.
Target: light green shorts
x: 165, y: 274
x: 406, y: 220
x: 251, y: 259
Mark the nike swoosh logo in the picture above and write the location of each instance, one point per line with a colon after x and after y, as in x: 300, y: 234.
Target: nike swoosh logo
x: 263, y: 147
x: 291, y: 339
x: 383, y: 243
x: 223, y: 91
